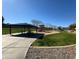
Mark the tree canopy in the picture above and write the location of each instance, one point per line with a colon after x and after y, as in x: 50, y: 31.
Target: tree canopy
x: 36, y: 22
x: 72, y: 26
x: 2, y: 19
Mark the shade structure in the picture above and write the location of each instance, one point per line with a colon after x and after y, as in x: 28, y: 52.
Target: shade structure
x: 20, y: 25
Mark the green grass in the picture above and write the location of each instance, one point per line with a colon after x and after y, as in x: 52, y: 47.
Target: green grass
x: 14, y: 30
x: 60, y: 39
x: 5, y: 30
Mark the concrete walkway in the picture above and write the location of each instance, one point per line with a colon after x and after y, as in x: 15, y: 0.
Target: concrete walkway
x: 15, y: 47
x: 52, y: 32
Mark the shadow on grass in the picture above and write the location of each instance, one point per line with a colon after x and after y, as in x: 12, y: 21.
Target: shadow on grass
x: 30, y: 35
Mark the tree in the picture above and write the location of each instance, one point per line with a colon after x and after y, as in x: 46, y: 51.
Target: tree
x: 2, y: 19
x: 60, y: 28
x: 72, y: 26
x: 36, y: 22
x: 42, y: 26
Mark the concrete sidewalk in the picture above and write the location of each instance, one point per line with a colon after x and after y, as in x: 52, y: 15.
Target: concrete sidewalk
x: 15, y: 47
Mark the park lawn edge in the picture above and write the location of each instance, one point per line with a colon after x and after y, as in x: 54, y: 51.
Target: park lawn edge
x: 71, y: 43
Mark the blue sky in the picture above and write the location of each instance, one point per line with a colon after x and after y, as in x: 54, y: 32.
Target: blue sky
x: 55, y: 12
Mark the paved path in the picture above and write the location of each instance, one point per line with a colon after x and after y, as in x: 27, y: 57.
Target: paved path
x: 15, y: 47
x: 52, y: 32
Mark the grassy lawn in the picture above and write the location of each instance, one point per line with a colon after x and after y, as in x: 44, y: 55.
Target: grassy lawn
x: 14, y: 30
x: 5, y: 30
x: 59, y: 39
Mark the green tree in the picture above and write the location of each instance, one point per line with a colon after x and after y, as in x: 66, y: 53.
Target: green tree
x: 60, y: 28
x: 36, y: 22
x: 72, y: 26
x: 2, y: 19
